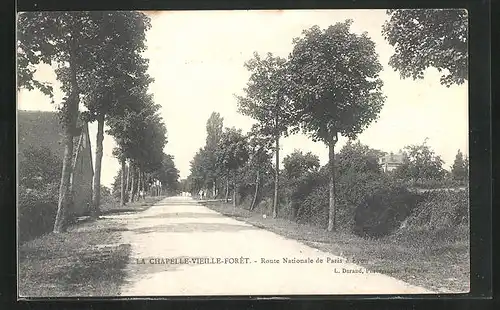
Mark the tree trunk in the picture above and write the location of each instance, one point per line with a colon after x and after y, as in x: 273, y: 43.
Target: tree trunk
x: 127, y: 187
x: 295, y: 210
x: 132, y: 182
x: 122, y: 188
x: 214, y: 189
x: 227, y: 188
x: 135, y: 186
x: 96, y: 193
x: 65, y: 195
x: 331, y: 187
x: 70, y: 114
x: 143, y: 180
x: 139, y: 183
x: 234, y: 189
x: 257, y: 183
x: 276, y: 179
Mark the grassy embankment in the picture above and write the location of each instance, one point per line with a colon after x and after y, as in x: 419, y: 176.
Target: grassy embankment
x: 87, y: 260
x: 436, y: 260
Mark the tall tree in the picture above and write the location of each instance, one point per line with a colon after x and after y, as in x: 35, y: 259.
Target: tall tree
x: 63, y: 40
x: 214, y: 134
x: 266, y: 101
x: 336, y: 88
x: 168, y: 174
x: 198, y: 171
x: 426, y: 38
x: 232, y: 154
x: 115, y: 77
x: 297, y: 163
x: 358, y: 158
x: 459, y: 168
x: 421, y: 163
x: 141, y: 137
x: 259, y: 160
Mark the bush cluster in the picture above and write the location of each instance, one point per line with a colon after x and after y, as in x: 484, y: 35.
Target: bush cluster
x: 38, y: 192
x: 440, y: 210
x: 368, y: 204
x: 381, y: 212
x: 37, y: 209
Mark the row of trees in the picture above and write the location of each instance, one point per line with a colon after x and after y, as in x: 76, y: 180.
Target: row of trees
x: 330, y: 86
x: 420, y: 163
x: 98, y: 60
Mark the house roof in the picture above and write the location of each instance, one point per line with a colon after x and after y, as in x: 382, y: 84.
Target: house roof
x: 41, y: 129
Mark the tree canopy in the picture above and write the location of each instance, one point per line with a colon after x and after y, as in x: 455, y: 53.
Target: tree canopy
x: 460, y: 168
x: 425, y: 38
x: 335, y: 88
x: 266, y: 98
x: 336, y: 84
x: 420, y: 163
x: 358, y: 158
x: 298, y: 163
x: 233, y: 150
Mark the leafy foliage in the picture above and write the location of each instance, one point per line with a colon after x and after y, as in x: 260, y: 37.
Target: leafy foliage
x: 336, y: 85
x: 439, y: 210
x: 198, y: 171
x: 115, y: 80
x: 382, y: 211
x: 426, y: 38
x: 39, y: 167
x: 266, y: 95
x: 214, y: 135
x: 233, y: 150
x: 168, y: 174
x: 298, y: 164
x: 141, y: 136
x: 358, y: 158
x: 460, y: 168
x: 97, y: 58
x: 37, y: 210
x: 420, y: 163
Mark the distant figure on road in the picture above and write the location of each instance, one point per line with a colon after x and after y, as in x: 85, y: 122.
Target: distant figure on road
x: 142, y: 195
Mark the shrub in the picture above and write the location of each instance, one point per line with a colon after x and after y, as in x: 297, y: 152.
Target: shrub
x: 37, y: 210
x: 314, y: 208
x: 107, y: 196
x: 38, y: 167
x: 351, y: 189
x: 383, y: 210
x: 298, y: 190
x: 439, y: 210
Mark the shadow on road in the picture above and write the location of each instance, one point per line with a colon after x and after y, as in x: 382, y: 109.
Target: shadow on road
x: 193, y: 227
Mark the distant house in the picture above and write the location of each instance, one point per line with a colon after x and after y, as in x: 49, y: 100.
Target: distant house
x: 390, y: 161
x: 39, y: 128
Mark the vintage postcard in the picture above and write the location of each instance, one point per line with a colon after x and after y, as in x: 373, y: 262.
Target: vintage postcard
x: 242, y: 152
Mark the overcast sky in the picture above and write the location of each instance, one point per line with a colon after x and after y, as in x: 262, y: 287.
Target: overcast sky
x: 197, y: 57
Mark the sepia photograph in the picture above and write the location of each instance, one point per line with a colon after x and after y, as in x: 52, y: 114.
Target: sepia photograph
x: 242, y: 153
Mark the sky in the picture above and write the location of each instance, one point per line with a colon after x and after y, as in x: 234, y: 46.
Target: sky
x: 197, y: 58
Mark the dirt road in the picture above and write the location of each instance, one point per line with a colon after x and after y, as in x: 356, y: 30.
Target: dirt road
x: 180, y: 247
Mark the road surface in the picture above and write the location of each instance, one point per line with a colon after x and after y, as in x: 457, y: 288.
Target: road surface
x: 180, y: 247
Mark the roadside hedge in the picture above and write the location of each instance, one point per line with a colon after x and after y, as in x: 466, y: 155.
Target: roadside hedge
x: 440, y: 210
x: 37, y: 211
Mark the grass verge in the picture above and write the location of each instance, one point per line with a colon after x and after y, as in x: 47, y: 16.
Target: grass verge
x: 113, y: 206
x: 420, y: 258
x: 87, y: 260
